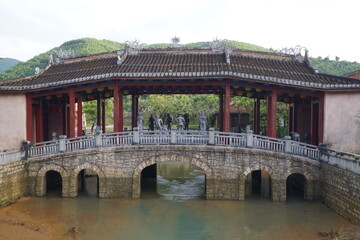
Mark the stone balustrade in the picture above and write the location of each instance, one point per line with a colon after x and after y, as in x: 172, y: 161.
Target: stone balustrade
x: 174, y: 137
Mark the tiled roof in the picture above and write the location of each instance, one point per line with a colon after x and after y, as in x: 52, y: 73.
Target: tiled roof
x: 183, y: 63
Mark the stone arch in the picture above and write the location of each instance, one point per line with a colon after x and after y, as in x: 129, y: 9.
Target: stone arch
x: 76, y: 171
x: 309, y: 184
x: 41, y: 181
x: 274, y: 176
x: 172, y: 158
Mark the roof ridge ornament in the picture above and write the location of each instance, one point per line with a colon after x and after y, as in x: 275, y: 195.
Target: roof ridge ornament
x: 134, y: 46
x: 300, y: 53
x: 175, y: 42
x: 228, y: 52
x: 218, y: 45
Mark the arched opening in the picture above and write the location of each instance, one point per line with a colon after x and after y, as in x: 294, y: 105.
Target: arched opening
x: 258, y: 184
x: 53, y: 183
x: 175, y: 180
x: 295, y: 186
x: 88, y: 183
x: 148, y: 181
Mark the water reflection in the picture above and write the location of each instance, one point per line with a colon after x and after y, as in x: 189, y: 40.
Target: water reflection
x: 159, y: 218
x: 180, y: 181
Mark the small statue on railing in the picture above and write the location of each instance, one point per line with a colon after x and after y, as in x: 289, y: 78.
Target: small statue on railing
x: 98, y: 129
x: 140, y: 121
x: 158, y: 123
x: 180, y: 121
x: 295, y: 136
x: 151, y: 123
x: 169, y: 121
x: 202, y: 122
x: 187, y: 121
x: 54, y: 136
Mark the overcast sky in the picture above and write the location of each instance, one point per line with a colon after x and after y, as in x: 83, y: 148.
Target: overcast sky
x: 324, y: 27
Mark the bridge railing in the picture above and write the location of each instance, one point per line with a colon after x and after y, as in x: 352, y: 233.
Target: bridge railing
x: 230, y: 139
x: 11, y: 155
x: 115, y: 139
x: 343, y: 160
x: 44, y: 148
x: 154, y: 137
x: 78, y: 143
x: 303, y: 149
x: 268, y: 143
x: 191, y: 137
x: 211, y: 137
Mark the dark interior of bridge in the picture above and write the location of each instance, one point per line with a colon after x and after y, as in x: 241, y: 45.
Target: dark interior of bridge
x: 295, y: 185
x: 53, y: 183
x: 148, y: 181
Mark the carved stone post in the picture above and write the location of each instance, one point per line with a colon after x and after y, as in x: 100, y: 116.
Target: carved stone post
x: 62, y: 145
x: 211, y: 136
x: 136, y: 136
x: 25, y: 147
x: 98, y: 138
x: 249, y: 139
x: 323, y: 150
x: 287, y: 144
x: 173, y: 136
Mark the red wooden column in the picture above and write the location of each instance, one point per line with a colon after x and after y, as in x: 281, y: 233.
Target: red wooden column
x: 29, y: 119
x: 321, y: 119
x: 39, y: 122
x: 271, y: 114
x: 226, y: 117
x: 71, y: 113
x: 257, y: 116
x: 221, y: 112
x: 118, y: 109
x: 79, y: 116
x: 103, y: 114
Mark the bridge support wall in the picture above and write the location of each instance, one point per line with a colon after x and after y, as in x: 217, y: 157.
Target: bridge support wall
x: 341, y: 191
x: 13, y: 182
x: 119, y: 169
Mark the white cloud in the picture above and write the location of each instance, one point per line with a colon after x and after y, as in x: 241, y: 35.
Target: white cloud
x: 325, y: 27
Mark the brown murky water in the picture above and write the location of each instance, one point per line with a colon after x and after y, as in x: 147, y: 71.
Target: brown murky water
x: 166, y: 218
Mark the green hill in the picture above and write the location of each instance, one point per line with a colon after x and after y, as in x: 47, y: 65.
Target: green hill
x: 6, y: 63
x: 86, y: 46
x: 334, y: 67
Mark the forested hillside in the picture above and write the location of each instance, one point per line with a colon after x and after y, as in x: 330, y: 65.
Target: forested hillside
x: 334, y: 67
x: 86, y: 46
x: 6, y: 63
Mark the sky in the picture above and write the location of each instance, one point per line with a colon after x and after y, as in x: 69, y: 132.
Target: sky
x: 324, y: 27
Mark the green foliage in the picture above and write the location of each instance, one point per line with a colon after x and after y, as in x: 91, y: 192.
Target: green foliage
x: 179, y: 103
x: 334, y: 67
